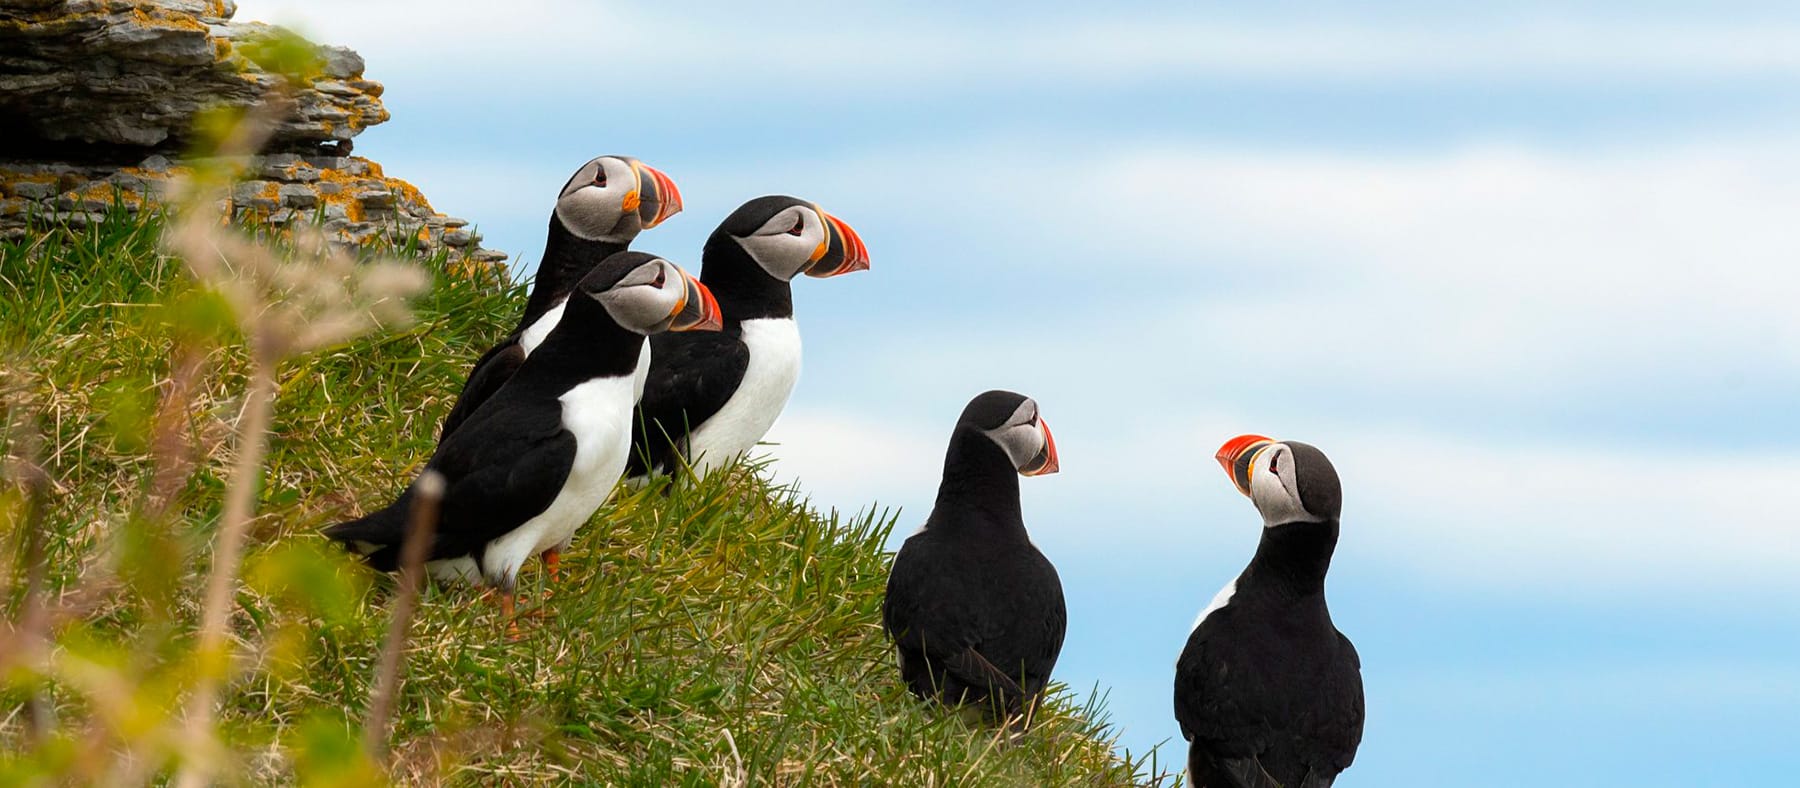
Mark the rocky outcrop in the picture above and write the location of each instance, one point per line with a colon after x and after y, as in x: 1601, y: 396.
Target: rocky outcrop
x: 98, y: 100
x: 349, y: 197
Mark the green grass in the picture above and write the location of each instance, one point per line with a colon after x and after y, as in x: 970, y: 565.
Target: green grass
x: 700, y: 633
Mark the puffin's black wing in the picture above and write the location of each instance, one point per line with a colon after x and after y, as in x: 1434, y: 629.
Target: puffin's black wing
x: 1340, y: 724
x: 939, y: 619
x: 1247, y: 727
x: 502, y: 467
x: 492, y: 370
x: 1217, y: 709
x: 1037, y: 636
x: 692, y: 375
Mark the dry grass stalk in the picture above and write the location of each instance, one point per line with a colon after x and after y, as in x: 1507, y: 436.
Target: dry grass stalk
x: 286, y: 305
x: 29, y: 641
x: 420, y: 531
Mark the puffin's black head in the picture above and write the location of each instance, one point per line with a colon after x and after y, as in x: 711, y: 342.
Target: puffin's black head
x: 1011, y: 421
x: 1289, y: 481
x: 647, y: 294
x: 613, y: 198
x: 789, y: 236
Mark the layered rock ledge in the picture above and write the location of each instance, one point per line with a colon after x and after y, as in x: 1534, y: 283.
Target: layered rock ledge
x: 98, y: 100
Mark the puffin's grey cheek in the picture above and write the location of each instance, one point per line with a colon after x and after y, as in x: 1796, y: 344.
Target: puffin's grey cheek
x: 589, y: 214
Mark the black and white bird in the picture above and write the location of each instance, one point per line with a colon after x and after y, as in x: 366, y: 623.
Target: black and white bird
x: 1268, y: 692
x: 975, y: 611
x: 537, y: 459
x: 599, y: 212
x: 711, y: 397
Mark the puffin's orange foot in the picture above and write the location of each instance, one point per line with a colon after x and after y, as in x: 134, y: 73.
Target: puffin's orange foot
x: 552, y: 561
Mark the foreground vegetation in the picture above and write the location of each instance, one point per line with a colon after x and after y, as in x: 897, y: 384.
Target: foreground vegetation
x: 711, y: 633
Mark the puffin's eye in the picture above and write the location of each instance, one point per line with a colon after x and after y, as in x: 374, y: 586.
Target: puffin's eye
x: 1274, y: 462
x: 661, y: 276
x: 600, y: 177
x: 799, y: 225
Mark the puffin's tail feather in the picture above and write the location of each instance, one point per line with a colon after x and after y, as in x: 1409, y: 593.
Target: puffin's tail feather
x: 376, y: 537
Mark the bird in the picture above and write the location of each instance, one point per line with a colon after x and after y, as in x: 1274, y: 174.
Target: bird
x: 539, y: 457
x: 709, y: 398
x: 974, y: 609
x: 1268, y: 693
x: 599, y: 211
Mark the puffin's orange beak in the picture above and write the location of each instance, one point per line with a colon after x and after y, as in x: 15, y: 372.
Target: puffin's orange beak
x: 1045, y: 462
x: 698, y: 310
x: 841, y: 252
x: 656, y: 198
x: 1237, y: 458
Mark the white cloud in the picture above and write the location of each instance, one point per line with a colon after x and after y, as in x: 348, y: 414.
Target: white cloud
x: 1704, y: 687
x: 1555, y: 516
x: 851, y: 462
x: 1535, y: 520
x: 1486, y: 270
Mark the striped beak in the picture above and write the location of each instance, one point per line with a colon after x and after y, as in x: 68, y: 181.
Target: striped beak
x: 1238, y: 458
x: 841, y: 252
x: 655, y: 199
x: 698, y: 310
x: 1045, y: 462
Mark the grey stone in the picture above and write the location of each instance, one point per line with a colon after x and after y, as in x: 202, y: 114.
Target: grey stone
x: 155, y: 163
x: 296, y: 196
x: 327, y: 188
x: 359, y: 232
x: 136, y: 73
x: 67, y: 202
x: 327, y: 162
x: 341, y: 62
x: 376, y: 199
x: 458, y: 237
x: 80, y: 218
x: 248, y: 190
x: 33, y: 191
x: 336, y: 211
x: 401, y: 233
x: 334, y: 87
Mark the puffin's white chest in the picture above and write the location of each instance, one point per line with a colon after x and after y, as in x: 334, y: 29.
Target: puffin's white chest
x: 1219, y: 600
x: 598, y: 413
x: 769, y: 378
x: 534, y: 334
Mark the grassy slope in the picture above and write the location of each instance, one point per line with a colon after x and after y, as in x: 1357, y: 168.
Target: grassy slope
x: 694, y: 630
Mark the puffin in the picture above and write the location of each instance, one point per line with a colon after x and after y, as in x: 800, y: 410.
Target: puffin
x: 710, y: 397
x: 1268, y: 692
x: 599, y: 211
x: 974, y: 610
x: 535, y: 460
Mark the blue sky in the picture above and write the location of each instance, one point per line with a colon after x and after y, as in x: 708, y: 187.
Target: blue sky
x: 1526, y: 275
